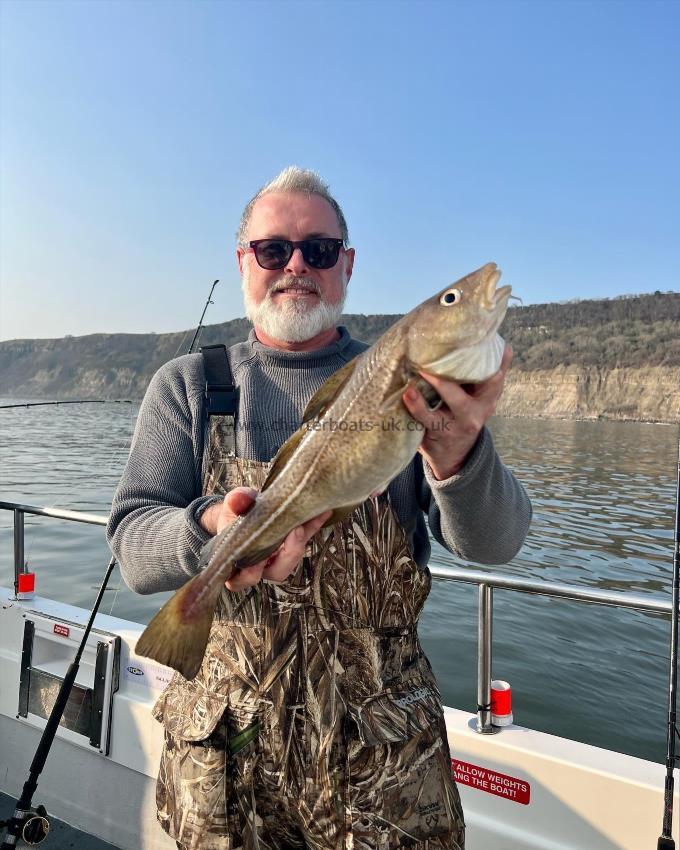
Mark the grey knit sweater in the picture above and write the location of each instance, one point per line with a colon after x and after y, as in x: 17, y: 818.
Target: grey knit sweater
x: 481, y: 514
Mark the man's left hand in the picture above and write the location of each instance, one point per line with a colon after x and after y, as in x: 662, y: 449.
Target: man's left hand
x: 453, y: 429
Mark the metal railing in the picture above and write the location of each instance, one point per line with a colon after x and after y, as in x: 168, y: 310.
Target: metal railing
x: 56, y: 513
x: 486, y: 582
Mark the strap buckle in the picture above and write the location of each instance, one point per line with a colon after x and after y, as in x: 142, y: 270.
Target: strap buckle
x: 221, y: 399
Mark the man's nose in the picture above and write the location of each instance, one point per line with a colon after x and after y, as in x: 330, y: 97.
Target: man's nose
x: 296, y: 265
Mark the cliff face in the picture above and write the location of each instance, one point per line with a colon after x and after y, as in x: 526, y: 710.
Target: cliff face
x: 611, y: 359
x: 647, y: 394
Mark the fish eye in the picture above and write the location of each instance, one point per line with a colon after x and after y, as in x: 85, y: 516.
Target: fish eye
x: 450, y: 297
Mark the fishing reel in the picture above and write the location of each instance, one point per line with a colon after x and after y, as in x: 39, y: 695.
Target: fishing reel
x: 31, y: 827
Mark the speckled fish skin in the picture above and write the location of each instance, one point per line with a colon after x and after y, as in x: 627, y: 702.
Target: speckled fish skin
x: 341, y: 457
x: 356, y: 437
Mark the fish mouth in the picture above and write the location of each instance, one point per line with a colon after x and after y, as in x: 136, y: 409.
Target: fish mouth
x: 490, y: 298
x: 500, y: 304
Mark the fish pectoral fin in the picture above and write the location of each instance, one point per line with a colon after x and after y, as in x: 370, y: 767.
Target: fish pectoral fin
x: 412, y: 378
x: 328, y: 392
x: 431, y: 396
x: 176, y: 639
x: 339, y: 514
x: 392, y: 400
x: 407, y: 375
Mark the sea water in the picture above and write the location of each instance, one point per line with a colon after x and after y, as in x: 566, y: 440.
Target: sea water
x: 603, y: 497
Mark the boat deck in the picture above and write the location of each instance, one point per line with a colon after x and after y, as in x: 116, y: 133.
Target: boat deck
x: 61, y: 835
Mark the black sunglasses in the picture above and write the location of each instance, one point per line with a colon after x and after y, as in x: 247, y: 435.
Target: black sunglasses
x: 320, y: 253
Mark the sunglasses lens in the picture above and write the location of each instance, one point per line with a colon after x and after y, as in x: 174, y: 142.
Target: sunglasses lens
x: 273, y: 253
x: 321, y: 253
x: 318, y: 253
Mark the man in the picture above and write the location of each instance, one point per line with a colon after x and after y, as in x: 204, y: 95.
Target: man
x: 315, y: 720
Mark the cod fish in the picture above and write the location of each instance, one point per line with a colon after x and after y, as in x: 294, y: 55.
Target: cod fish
x: 356, y: 436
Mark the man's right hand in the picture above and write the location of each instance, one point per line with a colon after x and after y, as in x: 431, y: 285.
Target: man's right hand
x: 280, y: 564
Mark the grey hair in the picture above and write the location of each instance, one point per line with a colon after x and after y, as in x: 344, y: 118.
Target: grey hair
x: 293, y: 179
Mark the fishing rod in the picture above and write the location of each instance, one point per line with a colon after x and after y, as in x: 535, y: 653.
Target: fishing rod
x: 666, y: 841
x: 200, y: 323
x: 27, y: 823
x: 79, y: 401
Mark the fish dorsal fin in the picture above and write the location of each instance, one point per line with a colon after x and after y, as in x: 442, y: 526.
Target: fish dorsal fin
x: 282, y: 456
x: 319, y: 402
x: 328, y: 391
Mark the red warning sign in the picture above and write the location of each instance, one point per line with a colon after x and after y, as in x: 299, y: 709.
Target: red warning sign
x: 61, y: 630
x: 491, y: 781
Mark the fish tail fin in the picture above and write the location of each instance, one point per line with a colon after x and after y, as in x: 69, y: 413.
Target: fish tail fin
x: 178, y: 635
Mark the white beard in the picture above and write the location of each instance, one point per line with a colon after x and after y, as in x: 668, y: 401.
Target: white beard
x: 291, y: 320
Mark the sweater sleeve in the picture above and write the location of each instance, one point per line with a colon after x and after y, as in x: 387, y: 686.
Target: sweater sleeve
x: 153, y: 529
x: 481, y: 514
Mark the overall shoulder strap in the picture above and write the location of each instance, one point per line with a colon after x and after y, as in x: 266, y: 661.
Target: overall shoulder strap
x: 221, y: 395
x: 221, y: 402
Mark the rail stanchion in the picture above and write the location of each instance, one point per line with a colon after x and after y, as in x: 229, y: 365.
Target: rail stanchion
x: 484, y: 639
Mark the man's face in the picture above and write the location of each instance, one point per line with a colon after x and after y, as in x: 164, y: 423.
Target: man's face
x: 297, y: 302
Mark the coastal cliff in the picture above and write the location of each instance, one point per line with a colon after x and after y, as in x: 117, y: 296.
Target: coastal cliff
x: 649, y: 394
x: 601, y: 359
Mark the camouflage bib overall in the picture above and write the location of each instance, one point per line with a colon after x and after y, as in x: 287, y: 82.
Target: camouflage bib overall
x: 315, y: 720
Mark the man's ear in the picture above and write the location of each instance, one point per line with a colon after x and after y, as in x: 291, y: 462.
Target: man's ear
x: 240, y: 258
x: 349, y: 262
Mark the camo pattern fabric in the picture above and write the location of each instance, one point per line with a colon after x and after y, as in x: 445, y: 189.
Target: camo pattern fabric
x: 315, y: 720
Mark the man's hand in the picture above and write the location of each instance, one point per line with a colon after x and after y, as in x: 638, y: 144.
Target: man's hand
x: 452, y: 430
x: 280, y: 564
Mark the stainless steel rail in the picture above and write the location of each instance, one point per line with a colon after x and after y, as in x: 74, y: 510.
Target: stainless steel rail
x: 576, y: 593
x: 486, y: 582
x: 56, y: 513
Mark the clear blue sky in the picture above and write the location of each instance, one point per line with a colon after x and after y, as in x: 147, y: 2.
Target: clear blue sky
x: 541, y: 135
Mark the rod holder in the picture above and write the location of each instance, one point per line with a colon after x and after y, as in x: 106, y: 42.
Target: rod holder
x: 19, y: 561
x: 484, y: 639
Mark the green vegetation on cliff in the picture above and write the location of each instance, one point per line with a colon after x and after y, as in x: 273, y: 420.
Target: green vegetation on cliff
x: 630, y: 332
